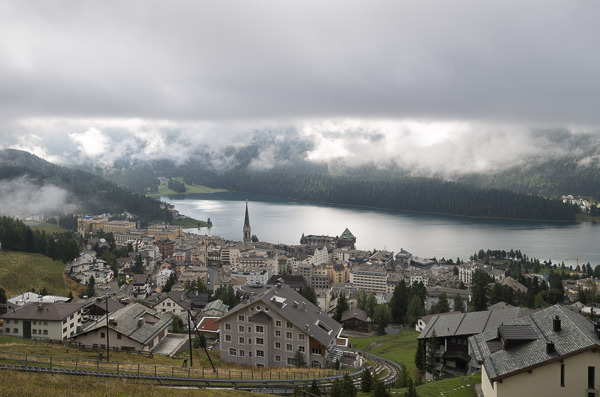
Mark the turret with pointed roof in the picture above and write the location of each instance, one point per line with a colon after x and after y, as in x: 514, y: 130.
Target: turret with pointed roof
x: 247, y: 230
x: 347, y: 239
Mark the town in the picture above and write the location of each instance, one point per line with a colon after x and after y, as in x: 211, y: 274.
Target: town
x: 272, y: 306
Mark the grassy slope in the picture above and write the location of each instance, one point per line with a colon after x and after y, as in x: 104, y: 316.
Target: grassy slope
x: 163, y: 189
x: 189, y: 223
x: 13, y: 384
x: 47, y: 227
x: 20, y: 272
x: 399, y: 348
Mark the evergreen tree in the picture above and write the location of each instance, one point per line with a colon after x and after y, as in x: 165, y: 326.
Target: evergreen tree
x: 399, y: 302
x: 412, y: 390
x: 90, y: 287
x: 177, y: 325
x: 348, y: 388
x: 382, y: 316
x: 414, y: 311
x: 366, y: 380
x: 300, y: 359
x: 459, y: 304
x: 432, y: 347
x: 342, y: 306
x: 371, y: 304
x: 2, y: 295
x: 336, y: 389
x: 480, y: 289
x: 314, y: 388
x: 138, y: 266
x: 421, y: 355
x: 379, y: 389
x: 442, y: 306
x: 309, y: 294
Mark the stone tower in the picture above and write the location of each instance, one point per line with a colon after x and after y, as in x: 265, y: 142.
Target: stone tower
x: 247, y: 230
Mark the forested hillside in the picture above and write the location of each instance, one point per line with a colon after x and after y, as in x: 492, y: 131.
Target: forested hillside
x: 89, y: 192
x: 550, y: 178
x: 413, y: 194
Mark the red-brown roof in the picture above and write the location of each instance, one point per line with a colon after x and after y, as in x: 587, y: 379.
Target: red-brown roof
x: 209, y: 324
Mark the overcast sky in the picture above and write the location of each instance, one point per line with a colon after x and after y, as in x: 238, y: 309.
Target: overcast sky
x: 441, y: 84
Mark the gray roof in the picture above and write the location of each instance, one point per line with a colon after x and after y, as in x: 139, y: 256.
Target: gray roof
x: 576, y: 335
x: 296, y: 309
x: 354, y: 313
x: 125, y: 321
x: 44, y: 311
x: 466, y: 324
x: 216, y: 305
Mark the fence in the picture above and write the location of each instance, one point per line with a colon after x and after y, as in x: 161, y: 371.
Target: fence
x: 99, y: 366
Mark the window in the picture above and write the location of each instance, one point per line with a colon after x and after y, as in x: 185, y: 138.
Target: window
x: 277, y: 333
x: 242, y: 353
x: 291, y: 361
x: 7, y: 330
x: 232, y: 351
x: 289, y: 325
x: 277, y: 345
x: 119, y: 336
x: 278, y: 359
x: 301, y: 348
x: 260, y: 341
x: 34, y: 331
x: 257, y: 307
x: 562, y: 375
x: 288, y: 347
x: 301, y: 336
x: 241, y: 340
x: 45, y: 332
x: 267, y: 308
x: 240, y: 318
x: 316, y: 350
x: 591, y: 377
x: 8, y: 321
x: 227, y: 338
x: 228, y: 326
x: 289, y: 335
x: 241, y: 328
x: 71, y: 317
x: 101, y: 333
x: 45, y: 322
x: 259, y: 329
x: 260, y: 353
x: 16, y: 330
x: 249, y: 329
x: 65, y: 331
x: 278, y: 323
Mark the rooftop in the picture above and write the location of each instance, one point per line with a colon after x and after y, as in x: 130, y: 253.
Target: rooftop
x: 539, y: 343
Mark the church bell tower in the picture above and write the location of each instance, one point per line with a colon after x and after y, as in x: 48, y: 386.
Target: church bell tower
x: 247, y: 230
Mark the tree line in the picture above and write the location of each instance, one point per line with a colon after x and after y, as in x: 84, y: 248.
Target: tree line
x: 16, y: 236
x: 387, y: 191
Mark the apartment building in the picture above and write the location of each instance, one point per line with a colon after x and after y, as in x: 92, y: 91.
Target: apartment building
x: 268, y: 330
x: 369, y: 278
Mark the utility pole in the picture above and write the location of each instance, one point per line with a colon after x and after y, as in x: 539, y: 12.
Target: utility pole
x: 190, y: 337
x: 107, y: 330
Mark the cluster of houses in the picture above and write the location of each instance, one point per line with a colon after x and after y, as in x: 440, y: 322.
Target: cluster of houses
x: 273, y: 325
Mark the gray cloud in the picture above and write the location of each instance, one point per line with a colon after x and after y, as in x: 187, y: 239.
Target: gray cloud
x: 430, y: 87
x: 24, y: 197
x: 497, y: 61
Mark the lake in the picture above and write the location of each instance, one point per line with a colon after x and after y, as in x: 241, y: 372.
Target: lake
x: 279, y: 220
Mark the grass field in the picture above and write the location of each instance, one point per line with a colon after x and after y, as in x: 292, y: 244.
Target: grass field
x: 20, y: 272
x: 462, y: 386
x: 38, y: 353
x: 163, y: 189
x: 15, y: 383
x: 189, y: 223
x: 399, y: 348
x: 47, y: 227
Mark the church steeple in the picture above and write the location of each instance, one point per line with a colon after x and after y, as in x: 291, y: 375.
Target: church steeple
x: 247, y: 230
